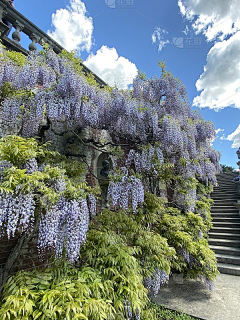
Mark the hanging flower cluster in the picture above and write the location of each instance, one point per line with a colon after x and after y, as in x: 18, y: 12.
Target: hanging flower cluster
x: 64, y: 227
x: 145, y: 161
x: 127, y: 192
x: 156, y: 281
x: 16, y: 213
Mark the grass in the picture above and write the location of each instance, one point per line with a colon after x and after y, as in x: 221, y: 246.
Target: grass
x: 162, y: 313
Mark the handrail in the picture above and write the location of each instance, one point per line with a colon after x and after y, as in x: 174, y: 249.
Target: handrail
x: 36, y: 35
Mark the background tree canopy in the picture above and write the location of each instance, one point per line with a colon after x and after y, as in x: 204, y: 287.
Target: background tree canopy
x: 226, y: 168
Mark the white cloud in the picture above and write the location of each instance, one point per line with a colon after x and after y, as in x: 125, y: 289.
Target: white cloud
x: 223, y: 137
x: 186, y: 31
x: 216, y: 136
x: 219, y: 130
x: 112, y: 68
x: 219, y: 18
x: 73, y: 28
x: 220, y: 81
x: 158, y: 37
x: 235, y: 137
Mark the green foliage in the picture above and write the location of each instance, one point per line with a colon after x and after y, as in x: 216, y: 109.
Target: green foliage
x: 91, y: 79
x: 204, y: 190
x: 108, y: 253
x: 17, y: 57
x: 18, y: 150
x: 226, y: 168
x: 162, y: 65
x: 136, y: 230
x: 142, y: 75
x: 76, y: 62
x: 188, y: 231
x: 60, y: 292
x: 7, y: 90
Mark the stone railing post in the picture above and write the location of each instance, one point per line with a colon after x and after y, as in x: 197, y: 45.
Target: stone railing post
x: 32, y: 46
x: 18, y: 28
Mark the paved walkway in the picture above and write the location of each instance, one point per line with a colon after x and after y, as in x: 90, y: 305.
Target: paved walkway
x: 193, y: 298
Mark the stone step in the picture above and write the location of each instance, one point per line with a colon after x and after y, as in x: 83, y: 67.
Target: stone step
x: 222, y: 229
x: 225, y: 190
x: 224, y: 221
x: 232, y: 251
x: 222, y: 235
x: 227, y: 173
x: 222, y: 209
x: 229, y: 196
x: 224, y: 242
x: 224, y: 194
x: 228, y: 269
x: 225, y: 184
x: 225, y: 187
x: 225, y: 214
x: 227, y: 178
x: 228, y: 181
x: 224, y: 258
x: 230, y: 188
x: 223, y: 180
x: 224, y: 202
x: 234, y: 212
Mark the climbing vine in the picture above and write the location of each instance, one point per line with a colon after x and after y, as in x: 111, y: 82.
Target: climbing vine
x: 163, y: 170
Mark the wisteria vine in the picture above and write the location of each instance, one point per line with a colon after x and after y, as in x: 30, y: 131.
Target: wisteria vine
x: 155, y: 118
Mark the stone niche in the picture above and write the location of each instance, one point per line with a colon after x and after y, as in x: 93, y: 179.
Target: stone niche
x: 96, y: 158
x: 104, y: 166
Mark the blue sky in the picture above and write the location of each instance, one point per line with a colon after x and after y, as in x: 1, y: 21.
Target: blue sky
x: 199, y: 39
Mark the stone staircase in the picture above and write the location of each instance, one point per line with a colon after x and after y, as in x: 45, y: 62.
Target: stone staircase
x: 224, y: 237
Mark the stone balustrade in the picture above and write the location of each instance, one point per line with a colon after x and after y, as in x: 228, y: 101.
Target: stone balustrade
x: 22, y: 25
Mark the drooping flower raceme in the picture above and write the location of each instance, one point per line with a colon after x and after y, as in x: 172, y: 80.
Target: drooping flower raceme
x: 16, y: 213
x: 127, y: 192
x: 64, y: 227
x: 156, y: 281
